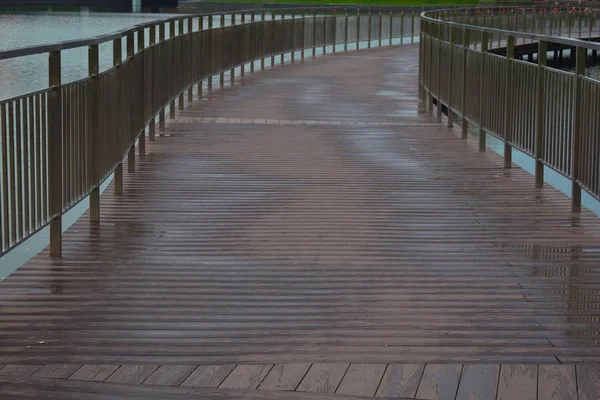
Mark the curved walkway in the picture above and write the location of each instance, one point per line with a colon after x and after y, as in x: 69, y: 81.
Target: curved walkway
x: 312, y: 228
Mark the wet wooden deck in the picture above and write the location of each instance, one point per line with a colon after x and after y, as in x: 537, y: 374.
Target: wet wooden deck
x: 312, y: 217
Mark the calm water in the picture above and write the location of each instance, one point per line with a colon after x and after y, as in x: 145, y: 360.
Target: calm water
x: 25, y: 74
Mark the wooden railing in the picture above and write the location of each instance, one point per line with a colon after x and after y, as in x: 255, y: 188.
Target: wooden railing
x: 59, y: 144
x: 547, y: 113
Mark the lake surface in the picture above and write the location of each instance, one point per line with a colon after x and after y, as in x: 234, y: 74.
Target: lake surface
x: 26, y: 74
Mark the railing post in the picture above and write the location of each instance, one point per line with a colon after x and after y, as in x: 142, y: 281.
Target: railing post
x: 464, y: 122
x: 391, y: 29
x: 293, y: 22
x: 540, y: 103
x: 357, y: 28
x: 450, y: 79
x: 334, y: 30
x: 369, y: 29
x: 118, y: 175
x: 243, y: 66
x: 402, y: 27
x: 303, y: 36
x: 93, y: 133
x: 162, y: 114
x: 55, y: 181
x: 283, y: 25
x: 439, y: 106
x: 263, y: 25
x: 252, y: 19
x: 172, y: 39
x: 232, y: 71
x: 580, y: 55
x: 190, y: 29
x: 508, y: 83
x: 314, y: 36
x: 152, y: 124
x: 222, y: 73
x: 346, y: 29
x: 430, y: 31
x: 131, y: 153
x: 325, y: 34
x: 412, y: 28
x: 273, y: 16
x: 142, y: 138
x: 484, y: 49
x: 211, y: 35
x: 380, y: 26
x: 182, y: 63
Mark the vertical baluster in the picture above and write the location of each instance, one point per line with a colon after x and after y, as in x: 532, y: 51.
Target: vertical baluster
x: 174, y: 65
x: 580, y: 55
x: 93, y: 133
x: 18, y: 149
x: 221, y: 45
x: 33, y: 167
x: 130, y: 53
x: 118, y: 177
x: 484, y: 48
x: 391, y: 30
x: 539, y: 111
x: 380, y: 31
x: 508, y: 104
x: 357, y: 28
x: 402, y: 27
x: 325, y: 34
x: 25, y: 149
x: 162, y: 113
x: 450, y: 79
x: 303, y: 35
x: 369, y: 30
x: 314, y: 38
x: 283, y: 28
x: 465, y: 77
x: 346, y: 29
x: 412, y: 27
x: 293, y: 22
x: 55, y: 153
x: 5, y: 200
x: 152, y: 100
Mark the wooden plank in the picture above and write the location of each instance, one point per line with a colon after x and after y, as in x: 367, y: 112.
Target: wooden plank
x: 439, y: 382
x: 557, y: 382
x: 517, y: 381
x: 19, y: 370
x: 323, y: 377
x: 94, y: 372
x: 132, y: 373
x: 588, y: 381
x: 247, y: 376
x: 56, y: 370
x: 362, y: 379
x: 209, y: 375
x: 478, y: 382
x: 170, y: 375
x: 401, y: 380
x: 285, y: 376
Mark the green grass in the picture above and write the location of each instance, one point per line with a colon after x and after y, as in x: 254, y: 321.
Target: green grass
x: 356, y: 2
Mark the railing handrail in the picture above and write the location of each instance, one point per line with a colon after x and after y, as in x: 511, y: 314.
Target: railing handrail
x: 573, y: 42
x: 96, y: 40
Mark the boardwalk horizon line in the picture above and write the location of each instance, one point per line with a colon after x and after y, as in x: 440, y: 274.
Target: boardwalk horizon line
x: 311, y: 231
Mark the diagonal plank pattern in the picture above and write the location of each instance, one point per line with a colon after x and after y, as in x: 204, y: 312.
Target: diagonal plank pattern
x: 320, y: 218
x: 406, y: 381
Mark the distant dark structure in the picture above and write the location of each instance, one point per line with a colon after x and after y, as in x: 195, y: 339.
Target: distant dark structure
x: 106, y: 5
x: 154, y: 4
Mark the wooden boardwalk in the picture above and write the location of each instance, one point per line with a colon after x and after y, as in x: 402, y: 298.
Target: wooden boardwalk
x: 310, y: 219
